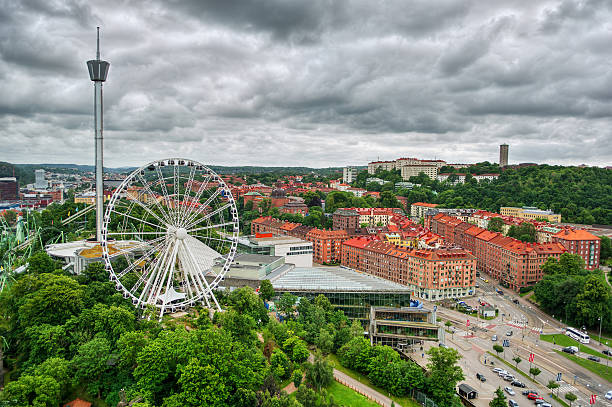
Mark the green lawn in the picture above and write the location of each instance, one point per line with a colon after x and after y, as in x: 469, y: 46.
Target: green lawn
x: 564, y: 340
x: 597, y: 368
x: 603, y: 339
x: 401, y: 401
x: 348, y: 397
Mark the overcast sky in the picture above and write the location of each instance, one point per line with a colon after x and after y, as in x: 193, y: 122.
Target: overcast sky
x: 308, y: 82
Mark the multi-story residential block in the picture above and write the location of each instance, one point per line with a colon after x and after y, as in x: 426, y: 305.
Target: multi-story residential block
x: 326, y: 244
x: 514, y: 263
x: 418, y: 209
x: 295, y: 207
x: 384, y: 165
x: 345, y: 219
x: 349, y: 174
x: 582, y: 243
x: 408, y: 171
x: 530, y: 212
x: 431, y: 273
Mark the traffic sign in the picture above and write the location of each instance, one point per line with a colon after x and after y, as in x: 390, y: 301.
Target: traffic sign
x: 506, y: 343
x: 593, y: 399
x: 531, y: 357
x: 467, y: 323
x: 558, y: 377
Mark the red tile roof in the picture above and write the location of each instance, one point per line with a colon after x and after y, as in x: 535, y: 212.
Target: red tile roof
x: 578, y: 234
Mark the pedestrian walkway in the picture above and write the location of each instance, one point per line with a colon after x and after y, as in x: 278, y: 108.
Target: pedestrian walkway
x: 362, y: 389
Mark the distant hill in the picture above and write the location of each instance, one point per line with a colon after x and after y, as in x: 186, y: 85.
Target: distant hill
x: 28, y: 169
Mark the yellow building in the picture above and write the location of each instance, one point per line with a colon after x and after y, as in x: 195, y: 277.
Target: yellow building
x: 413, y: 170
x: 89, y: 197
x: 530, y: 212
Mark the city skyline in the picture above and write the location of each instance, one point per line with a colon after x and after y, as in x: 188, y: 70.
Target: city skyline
x: 235, y: 84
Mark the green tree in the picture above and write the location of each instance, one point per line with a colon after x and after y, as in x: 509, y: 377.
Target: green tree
x: 280, y: 364
x: 534, y: 371
x: 571, y: 397
x: 498, y: 349
x: 499, y: 400
x: 319, y: 373
x: 593, y: 301
x: 200, y: 385
x: 286, y: 303
x: 325, y: 341
x: 297, y: 377
x: 444, y: 375
x: 552, y: 385
x: 517, y: 360
x: 40, y: 262
x: 266, y: 291
x: 496, y: 225
x: 356, y: 329
x: 28, y: 390
x: 89, y: 364
x: 606, y: 248
x: 247, y: 302
x: 388, y: 200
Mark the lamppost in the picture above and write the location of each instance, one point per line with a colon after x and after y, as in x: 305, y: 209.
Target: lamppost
x: 600, y: 321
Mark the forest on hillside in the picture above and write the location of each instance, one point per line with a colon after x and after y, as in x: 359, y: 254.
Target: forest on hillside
x: 580, y: 195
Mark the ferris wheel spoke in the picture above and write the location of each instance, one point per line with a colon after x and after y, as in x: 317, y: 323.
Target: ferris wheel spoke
x: 136, y: 233
x: 152, y: 194
x: 139, y: 260
x: 153, y: 275
x: 202, y: 207
x: 210, y: 226
x: 210, y: 215
x: 136, y: 219
x: 162, y: 182
x: 131, y: 249
x: 201, y: 189
x: 168, y: 278
x: 177, y: 190
x: 149, y: 211
x: 186, y: 204
x: 209, y: 290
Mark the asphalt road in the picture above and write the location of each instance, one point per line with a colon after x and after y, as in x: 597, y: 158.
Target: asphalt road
x: 526, y: 323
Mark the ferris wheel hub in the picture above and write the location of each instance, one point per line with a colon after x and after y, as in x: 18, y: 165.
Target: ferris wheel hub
x: 181, y: 233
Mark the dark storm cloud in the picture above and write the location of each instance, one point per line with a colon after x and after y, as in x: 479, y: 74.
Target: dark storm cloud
x: 320, y: 82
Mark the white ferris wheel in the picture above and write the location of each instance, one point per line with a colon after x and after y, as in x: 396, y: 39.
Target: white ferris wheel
x: 170, y: 235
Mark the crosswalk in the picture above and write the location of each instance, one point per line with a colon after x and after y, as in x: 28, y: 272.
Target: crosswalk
x: 566, y: 387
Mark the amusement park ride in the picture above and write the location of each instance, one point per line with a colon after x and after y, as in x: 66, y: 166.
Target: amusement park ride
x: 168, y: 235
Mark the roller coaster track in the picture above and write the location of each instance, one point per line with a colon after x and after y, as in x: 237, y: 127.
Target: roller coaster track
x: 78, y: 214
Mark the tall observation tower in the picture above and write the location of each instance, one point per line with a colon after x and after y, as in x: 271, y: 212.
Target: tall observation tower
x: 97, y: 73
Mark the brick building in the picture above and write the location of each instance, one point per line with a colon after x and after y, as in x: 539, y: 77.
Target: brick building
x: 9, y: 189
x: 514, y: 263
x: 582, y: 243
x: 431, y: 273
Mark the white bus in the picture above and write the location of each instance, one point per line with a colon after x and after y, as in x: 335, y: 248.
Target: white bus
x: 577, y: 335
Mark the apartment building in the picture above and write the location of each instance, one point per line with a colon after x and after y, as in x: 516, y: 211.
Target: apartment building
x: 407, y: 171
x: 582, y: 243
x: 418, y: 209
x: 431, y: 273
x: 530, y: 212
x: 514, y: 263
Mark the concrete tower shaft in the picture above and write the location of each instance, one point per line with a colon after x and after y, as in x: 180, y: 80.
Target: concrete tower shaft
x: 98, y: 70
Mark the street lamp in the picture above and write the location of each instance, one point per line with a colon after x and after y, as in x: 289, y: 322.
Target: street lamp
x: 600, y: 321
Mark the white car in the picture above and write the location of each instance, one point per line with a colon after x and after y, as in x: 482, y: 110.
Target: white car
x: 609, y: 395
x: 497, y: 369
x: 509, y: 391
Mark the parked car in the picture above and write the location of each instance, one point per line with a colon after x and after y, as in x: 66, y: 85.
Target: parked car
x: 509, y: 333
x: 534, y: 396
x: 497, y: 369
x: 569, y: 350
x: 442, y: 345
x: 481, y: 377
x: 542, y: 403
x: 593, y: 358
x: 502, y: 373
x: 527, y: 392
x: 609, y: 395
x: 607, y: 352
x: 518, y: 384
x: 494, y: 338
x: 476, y: 285
x: 509, y: 378
x: 509, y: 390
x: 512, y: 403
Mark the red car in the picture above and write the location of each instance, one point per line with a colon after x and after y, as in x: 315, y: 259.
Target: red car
x: 533, y: 396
